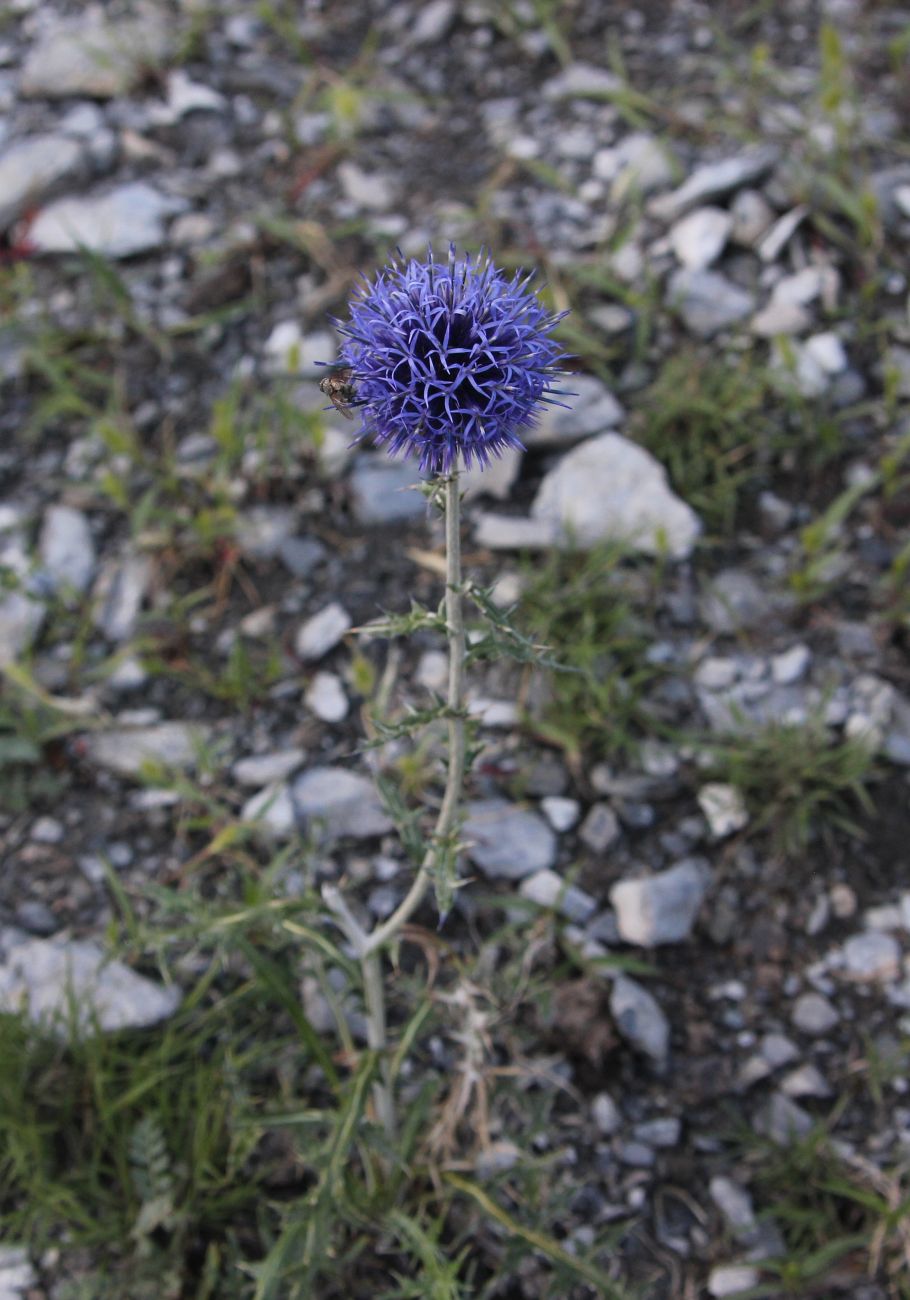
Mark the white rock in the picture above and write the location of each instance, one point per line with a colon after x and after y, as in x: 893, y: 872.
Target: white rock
x: 119, y: 223
x: 337, y: 802
x: 712, y: 180
x: 780, y: 318
x: 582, y: 80
x: 128, y: 750
x: 606, y: 1114
x: 433, y: 21
x: 707, y: 301
x: 591, y: 409
x: 549, y: 890
x: 505, y: 841
x: 187, y: 96
x: 872, y: 958
x: 322, y: 632
x: 263, y: 530
x: 806, y: 286
x: 262, y: 769
x: 735, y: 1204
x: 724, y: 808
x: 496, y: 479
x: 32, y: 168
x: 493, y: 713
x: 67, y: 548
x: 272, y: 811
x: 640, y: 1020
x: 610, y: 489
x: 642, y: 166
x: 828, y: 351
x: 515, y: 533
x: 791, y: 665
x: 561, y: 813
x: 366, y: 189
x: 805, y: 1081
x: 52, y: 980
x: 780, y: 234
x: 385, y: 491
x: 902, y: 199
x: 20, y: 620
x: 715, y: 673
x: 94, y: 56
x: 600, y: 828
x: 17, y: 1276
x: 661, y: 908
x: 288, y: 351
x: 814, y: 1014
x: 433, y: 670
x: 325, y: 696
x: 732, y: 1279
x: 119, y: 593
x: 699, y: 238
x: 752, y: 215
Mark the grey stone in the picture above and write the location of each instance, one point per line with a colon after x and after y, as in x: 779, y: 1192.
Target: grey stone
x: 642, y: 165
x: 52, y: 980
x: 515, y: 533
x: 640, y: 1020
x: 122, y: 222
x: 95, y: 56
x: 707, y: 301
x: 272, y: 810
x: 370, y: 190
x: 732, y: 1280
x: 288, y: 351
x: 636, y: 1154
x: 780, y: 318
x: 791, y: 665
x: 752, y: 215
x: 263, y: 530
x: 735, y: 1204
x: 493, y: 480
x: 735, y: 600
x: 723, y: 807
x: 33, y: 168
x: 325, y: 696
x: 339, y: 803
x: 128, y: 750
x: 119, y: 593
x: 582, y: 80
x: 47, y: 830
x: 262, y: 769
x: 776, y: 239
x: 777, y: 1050
x: 20, y: 621
x: 300, y: 555
x: 610, y: 489
x: 507, y: 842
x: 781, y: 1120
x: 17, y: 1277
x: 385, y: 491
x: 661, y: 908
x: 806, y: 1081
x: 814, y: 1014
x: 699, y: 238
x: 67, y: 548
x: 885, y: 185
x: 592, y: 409
x: 322, y: 632
x: 560, y: 812
x: 547, y: 889
x: 662, y: 1133
x: 872, y: 958
x: 606, y: 1114
x: 433, y: 21
x: 600, y: 828
x: 713, y: 180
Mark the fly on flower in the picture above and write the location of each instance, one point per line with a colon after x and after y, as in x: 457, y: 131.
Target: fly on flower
x: 340, y: 391
x: 450, y: 361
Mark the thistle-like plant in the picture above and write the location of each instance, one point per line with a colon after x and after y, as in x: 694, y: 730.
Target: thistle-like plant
x: 447, y: 363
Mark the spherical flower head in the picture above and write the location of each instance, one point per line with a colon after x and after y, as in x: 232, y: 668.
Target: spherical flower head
x: 449, y: 360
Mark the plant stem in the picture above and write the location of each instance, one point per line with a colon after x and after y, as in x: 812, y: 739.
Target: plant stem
x: 367, y: 945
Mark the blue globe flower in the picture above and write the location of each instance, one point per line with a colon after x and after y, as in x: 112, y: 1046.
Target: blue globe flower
x: 449, y: 361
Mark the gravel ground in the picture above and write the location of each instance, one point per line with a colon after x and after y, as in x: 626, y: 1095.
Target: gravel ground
x: 187, y: 539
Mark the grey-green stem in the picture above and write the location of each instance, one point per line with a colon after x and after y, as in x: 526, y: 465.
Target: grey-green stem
x: 367, y: 944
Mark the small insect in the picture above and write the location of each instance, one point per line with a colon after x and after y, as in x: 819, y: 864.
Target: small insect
x: 339, y: 389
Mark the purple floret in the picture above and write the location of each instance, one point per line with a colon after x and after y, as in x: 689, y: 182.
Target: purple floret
x: 449, y: 360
